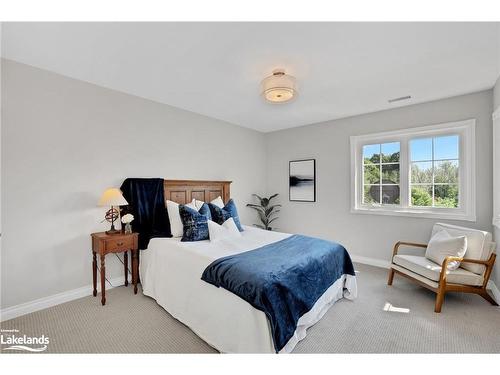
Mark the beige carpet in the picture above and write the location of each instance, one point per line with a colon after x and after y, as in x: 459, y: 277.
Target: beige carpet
x: 136, y: 324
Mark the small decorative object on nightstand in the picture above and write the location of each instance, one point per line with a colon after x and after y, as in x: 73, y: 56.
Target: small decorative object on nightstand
x: 112, y: 197
x: 127, y: 220
x: 102, y: 244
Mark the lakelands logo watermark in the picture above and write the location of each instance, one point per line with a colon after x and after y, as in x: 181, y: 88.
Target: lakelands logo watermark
x: 10, y: 339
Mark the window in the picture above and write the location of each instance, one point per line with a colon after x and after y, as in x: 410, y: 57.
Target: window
x: 425, y: 172
x: 434, y: 166
x: 381, y: 173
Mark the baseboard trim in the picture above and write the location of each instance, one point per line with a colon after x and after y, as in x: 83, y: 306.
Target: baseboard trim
x: 56, y: 299
x: 494, y: 290
x: 370, y: 261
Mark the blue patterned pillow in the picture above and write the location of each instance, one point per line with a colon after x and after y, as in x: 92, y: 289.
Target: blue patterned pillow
x: 220, y: 215
x: 194, y: 223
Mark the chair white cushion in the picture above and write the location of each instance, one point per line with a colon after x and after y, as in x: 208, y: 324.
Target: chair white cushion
x: 442, y: 245
x: 479, y: 244
x: 176, y: 227
x: 228, y: 229
x: 416, y: 276
x: 427, y: 268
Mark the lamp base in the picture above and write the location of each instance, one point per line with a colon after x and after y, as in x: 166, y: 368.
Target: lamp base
x: 113, y: 231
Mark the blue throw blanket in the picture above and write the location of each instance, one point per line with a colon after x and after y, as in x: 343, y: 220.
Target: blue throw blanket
x: 146, y: 202
x: 283, y: 279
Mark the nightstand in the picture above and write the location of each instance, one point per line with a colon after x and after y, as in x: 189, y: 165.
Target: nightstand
x: 103, y: 244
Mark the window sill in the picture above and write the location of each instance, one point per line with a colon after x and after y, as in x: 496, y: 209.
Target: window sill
x: 414, y: 213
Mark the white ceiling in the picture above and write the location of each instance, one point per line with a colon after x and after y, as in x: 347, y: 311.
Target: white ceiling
x: 215, y: 69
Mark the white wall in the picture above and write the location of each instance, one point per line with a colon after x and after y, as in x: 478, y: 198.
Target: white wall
x: 496, y: 175
x: 496, y: 94
x: 370, y: 235
x: 65, y: 141
x: 496, y: 88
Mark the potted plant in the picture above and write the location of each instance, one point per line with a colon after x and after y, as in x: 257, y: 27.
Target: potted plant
x: 266, y: 211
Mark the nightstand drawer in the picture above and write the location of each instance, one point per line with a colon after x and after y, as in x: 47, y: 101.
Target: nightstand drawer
x: 120, y: 243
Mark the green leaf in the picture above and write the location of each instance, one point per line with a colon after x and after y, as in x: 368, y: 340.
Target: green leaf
x: 270, y: 221
x: 270, y: 209
x: 273, y: 196
x: 275, y: 206
x: 263, y: 217
x: 259, y: 198
x: 264, y: 202
x: 255, y: 207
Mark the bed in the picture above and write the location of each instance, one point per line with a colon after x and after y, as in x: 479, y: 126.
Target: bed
x: 170, y: 272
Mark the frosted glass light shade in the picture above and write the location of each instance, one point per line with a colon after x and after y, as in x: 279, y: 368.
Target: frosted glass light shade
x: 279, y: 87
x: 112, y: 197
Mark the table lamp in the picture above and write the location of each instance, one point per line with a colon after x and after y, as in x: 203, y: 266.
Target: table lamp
x: 112, y: 197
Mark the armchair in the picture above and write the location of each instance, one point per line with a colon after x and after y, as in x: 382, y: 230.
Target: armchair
x: 471, y: 277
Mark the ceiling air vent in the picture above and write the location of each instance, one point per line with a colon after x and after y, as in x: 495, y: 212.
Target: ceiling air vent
x: 399, y: 99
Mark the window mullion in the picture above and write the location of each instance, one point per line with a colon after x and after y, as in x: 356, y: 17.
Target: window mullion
x: 432, y: 166
x: 380, y: 174
x: 404, y: 170
x: 361, y: 185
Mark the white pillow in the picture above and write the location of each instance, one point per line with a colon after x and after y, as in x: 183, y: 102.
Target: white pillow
x: 175, y: 217
x: 443, y: 245
x: 198, y: 203
x: 217, y: 201
x: 228, y: 229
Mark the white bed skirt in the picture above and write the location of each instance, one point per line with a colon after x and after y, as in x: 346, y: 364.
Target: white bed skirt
x: 344, y: 287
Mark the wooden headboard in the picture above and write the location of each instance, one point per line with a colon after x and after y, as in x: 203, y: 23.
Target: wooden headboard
x: 184, y: 191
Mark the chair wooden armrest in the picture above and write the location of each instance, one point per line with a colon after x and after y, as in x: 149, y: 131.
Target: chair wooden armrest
x: 488, y: 263
x: 465, y: 260
x: 410, y: 244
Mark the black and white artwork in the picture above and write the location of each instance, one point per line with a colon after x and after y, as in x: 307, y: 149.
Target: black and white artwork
x: 302, y: 180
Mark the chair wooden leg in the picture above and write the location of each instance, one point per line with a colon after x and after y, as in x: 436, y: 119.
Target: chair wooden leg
x: 439, y: 300
x: 391, y: 277
x: 488, y: 298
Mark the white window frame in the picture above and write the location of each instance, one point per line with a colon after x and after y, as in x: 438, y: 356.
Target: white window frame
x: 467, y: 171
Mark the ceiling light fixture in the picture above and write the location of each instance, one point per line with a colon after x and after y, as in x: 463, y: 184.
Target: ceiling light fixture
x: 279, y: 87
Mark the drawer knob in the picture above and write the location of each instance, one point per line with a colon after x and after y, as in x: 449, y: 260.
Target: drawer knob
x: 119, y: 244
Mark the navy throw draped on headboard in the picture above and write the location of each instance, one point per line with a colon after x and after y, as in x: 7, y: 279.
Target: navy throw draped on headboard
x: 147, y: 203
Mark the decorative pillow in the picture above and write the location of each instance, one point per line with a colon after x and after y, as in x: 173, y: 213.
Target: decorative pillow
x: 217, y: 201
x: 227, y: 230
x: 195, y: 227
x: 175, y: 217
x: 221, y: 214
x: 443, y: 245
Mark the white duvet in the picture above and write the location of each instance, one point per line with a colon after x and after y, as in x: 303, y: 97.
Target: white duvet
x: 171, y: 272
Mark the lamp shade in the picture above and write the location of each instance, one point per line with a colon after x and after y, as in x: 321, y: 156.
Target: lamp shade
x: 112, y: 197
x: 279, y: 87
